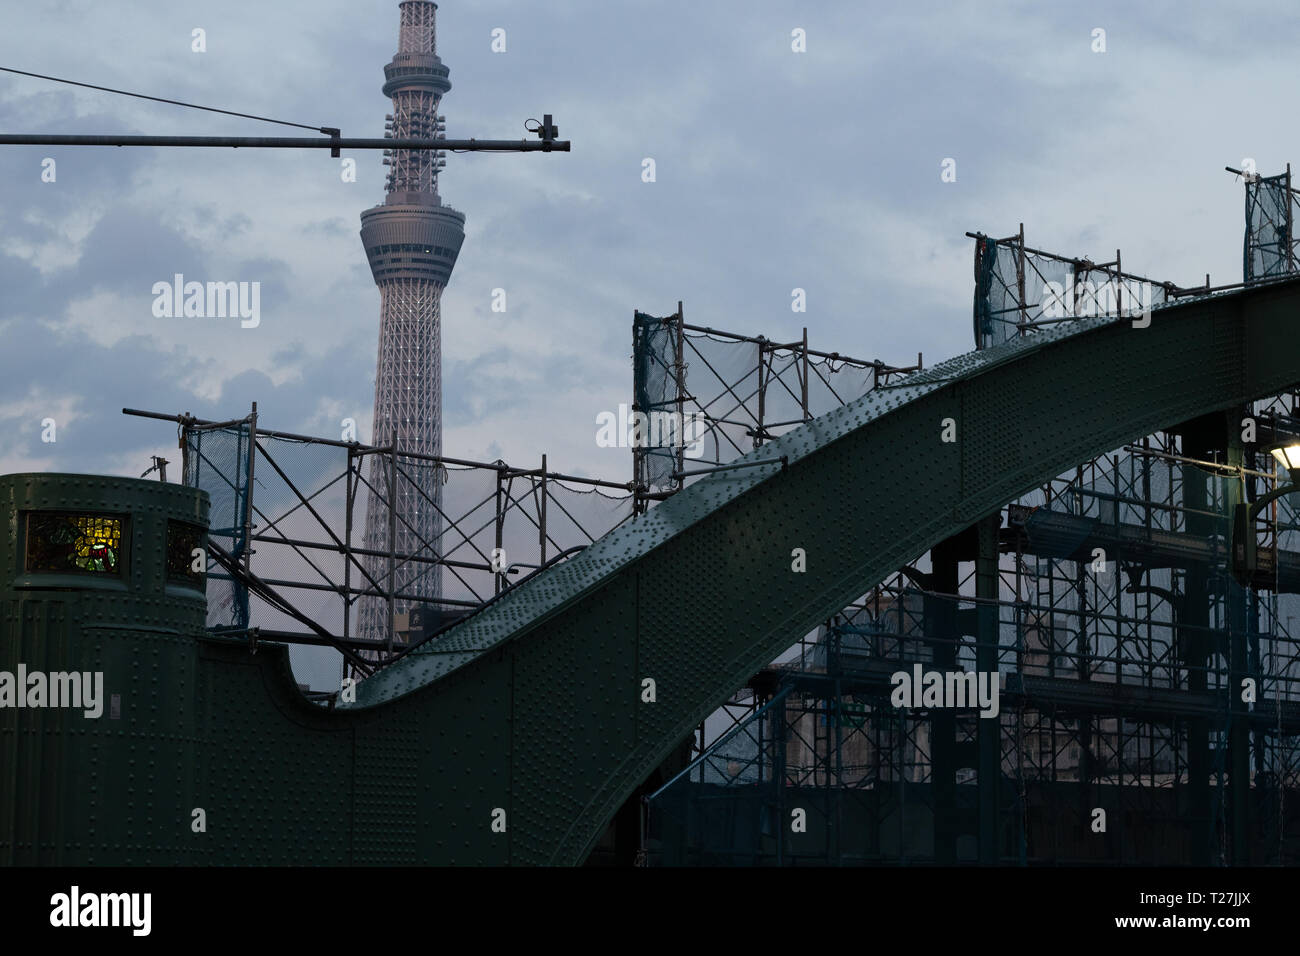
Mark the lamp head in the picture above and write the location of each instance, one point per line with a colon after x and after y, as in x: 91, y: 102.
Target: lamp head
x: 1288, y: 456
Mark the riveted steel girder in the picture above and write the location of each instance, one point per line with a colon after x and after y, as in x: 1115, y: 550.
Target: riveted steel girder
x: 539, y: 706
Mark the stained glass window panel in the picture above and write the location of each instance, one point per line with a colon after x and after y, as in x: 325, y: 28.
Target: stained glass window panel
x: 182, y: 541
x: 69, y: 543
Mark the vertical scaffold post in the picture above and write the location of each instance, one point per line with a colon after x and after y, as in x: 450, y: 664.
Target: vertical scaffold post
x: 1020, y: 281
x: 939, y: 623
x: 1119, y: 285
x: 541, y: 517
x: 835, y: 813
x: 183, y: 439
x: 803, y: 397
x: 1238, y: 637
x: 1194, y: 623
x: 778, y: 738
x: 498, y: 575
x: 392, y: 539
x: 679, y: 359
x: 1290, y: 225
x: 350, y: 494
x: 248, y: 510
x: 639, y: 487
x: 986, y: 662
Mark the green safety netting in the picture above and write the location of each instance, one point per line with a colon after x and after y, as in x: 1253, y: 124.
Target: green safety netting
x: 655, y: 390
x: 216, y: 460
x: 1268, y: 248
x: 1018, y: 291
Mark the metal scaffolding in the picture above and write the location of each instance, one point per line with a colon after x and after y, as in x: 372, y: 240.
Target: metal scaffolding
x: 1108, y: 603
x: 743, y: 390
x: 1121, y: 637
x: 310, y: 498
x: 1019, y: 290
x: 1270, y: 247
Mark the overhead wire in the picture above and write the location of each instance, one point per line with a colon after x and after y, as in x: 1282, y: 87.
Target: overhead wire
x: 160, y: 99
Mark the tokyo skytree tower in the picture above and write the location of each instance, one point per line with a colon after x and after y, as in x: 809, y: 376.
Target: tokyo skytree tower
x: 412, y: 242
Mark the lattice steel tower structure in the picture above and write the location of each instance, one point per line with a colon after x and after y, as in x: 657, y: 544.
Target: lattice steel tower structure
x: 412, y: 242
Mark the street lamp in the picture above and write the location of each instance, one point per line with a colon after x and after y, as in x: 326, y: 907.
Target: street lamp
x: 1244, y: 559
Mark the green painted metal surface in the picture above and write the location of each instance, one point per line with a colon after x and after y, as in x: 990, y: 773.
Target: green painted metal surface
x: 533, y: 712
x: 76, y: 789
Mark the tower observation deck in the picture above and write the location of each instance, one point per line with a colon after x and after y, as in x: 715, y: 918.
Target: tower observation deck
x: 412, y: 241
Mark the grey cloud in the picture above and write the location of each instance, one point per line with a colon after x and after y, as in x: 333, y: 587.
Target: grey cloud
x: 775, y: 170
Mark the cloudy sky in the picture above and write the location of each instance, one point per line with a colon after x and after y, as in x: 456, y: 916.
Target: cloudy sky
x: 774, y: 170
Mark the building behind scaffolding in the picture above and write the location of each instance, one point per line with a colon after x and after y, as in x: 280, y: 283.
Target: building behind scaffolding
x: 1110, y: 601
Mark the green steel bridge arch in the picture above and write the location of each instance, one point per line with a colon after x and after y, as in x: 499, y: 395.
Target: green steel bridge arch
x: 516, y: 737
x: 536, y: 706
